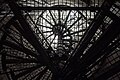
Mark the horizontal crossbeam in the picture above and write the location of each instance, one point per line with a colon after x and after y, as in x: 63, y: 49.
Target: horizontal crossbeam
x: 60, y: 8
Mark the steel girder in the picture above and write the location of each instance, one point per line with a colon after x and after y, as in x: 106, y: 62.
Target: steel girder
x: 95, y: 51
x: 84, y: 42
x: 108, y: 50
x: 24, y: 26
x: 110, y: 34
x: 79, y: 67
x: 27, y: 32
x: 91, y: 31
x: 88, y: 36
x: 59, y: 8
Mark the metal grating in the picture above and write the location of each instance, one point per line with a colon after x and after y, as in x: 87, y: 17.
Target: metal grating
x: 59, y: 27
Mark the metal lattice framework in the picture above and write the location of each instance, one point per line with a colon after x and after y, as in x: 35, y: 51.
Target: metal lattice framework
x: 59, y: 40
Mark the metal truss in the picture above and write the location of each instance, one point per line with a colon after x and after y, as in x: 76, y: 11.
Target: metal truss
x: 59, y: 40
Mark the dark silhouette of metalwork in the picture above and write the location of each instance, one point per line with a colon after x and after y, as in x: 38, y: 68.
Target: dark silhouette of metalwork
x: 59, y: 40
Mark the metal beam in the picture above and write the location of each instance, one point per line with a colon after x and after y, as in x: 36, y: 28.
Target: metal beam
x: 90, y: 32
x: 95, y: 51
x: 105, y: 39
x: 92, y: 29
x: 86, y: 39
x: 31, y: 37
x: 59, y: 8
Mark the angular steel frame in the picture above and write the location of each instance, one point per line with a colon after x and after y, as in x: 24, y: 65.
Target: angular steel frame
x: 27, y: 32
x: 77, y: 67
x: 80, y: 67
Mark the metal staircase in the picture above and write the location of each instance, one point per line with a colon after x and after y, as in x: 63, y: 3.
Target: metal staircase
x: 60, y: 40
